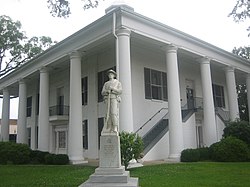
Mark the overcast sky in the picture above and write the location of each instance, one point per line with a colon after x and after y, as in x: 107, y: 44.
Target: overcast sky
x: 205, y: 19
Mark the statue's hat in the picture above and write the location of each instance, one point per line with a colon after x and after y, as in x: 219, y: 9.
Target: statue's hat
x: 111, y: 71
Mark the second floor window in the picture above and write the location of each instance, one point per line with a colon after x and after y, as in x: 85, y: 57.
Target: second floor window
x: 85, y: 91
x: 155, y: 84
x: 29, y: 107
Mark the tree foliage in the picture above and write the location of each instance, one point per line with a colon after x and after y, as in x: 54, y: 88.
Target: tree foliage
x: 61, y: 8
x: 15, y: 47
x: 244, y: 52
x: 131, y: 147
x: 238, y: 129
x: 241, y: 11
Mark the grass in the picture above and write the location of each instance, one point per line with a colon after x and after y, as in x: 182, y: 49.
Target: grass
x: 200, y: 174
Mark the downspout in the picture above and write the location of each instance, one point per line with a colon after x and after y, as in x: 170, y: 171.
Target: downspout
x: 116, y: 46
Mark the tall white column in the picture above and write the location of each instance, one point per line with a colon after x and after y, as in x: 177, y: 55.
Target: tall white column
x: 126, y: 106
x: 43, y: 118
x: 93, y: 118
x: 5, y: 115
x: 21, y: 122
x: 174, y: 104
x: 75, y: 148
x: 209, y: 128
x: 232, y: 94
x: 248, y: 92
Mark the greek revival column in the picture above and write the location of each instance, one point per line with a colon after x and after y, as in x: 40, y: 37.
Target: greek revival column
x: 126, y: 106
x: 21, y: 122
x: 75, y: 149
x: 5, y: 115
x: 43, y: 118
x: 232, y: 93
x: 209, y: 128
x: 248, y: 92
x: 174, y: 104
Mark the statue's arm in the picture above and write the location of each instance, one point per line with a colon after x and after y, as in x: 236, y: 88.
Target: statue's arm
x: 118, y: 89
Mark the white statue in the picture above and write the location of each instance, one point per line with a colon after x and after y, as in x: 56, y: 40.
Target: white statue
x: 111, y: 92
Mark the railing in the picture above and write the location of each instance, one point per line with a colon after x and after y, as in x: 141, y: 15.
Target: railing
x: 152, y: 117
x: 223, y: 114
x: 59, y: 110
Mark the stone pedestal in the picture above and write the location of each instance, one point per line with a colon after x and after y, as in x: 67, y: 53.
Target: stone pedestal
x: 110, y: 172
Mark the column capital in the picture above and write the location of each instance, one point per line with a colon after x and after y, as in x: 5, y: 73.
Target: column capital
x: 43, y: 69
x: 171, y: 48
x: 229, y: 69
x: 123, y: 32
x: 75, y: 54
x: 204, y: 60
x: 6, y: 89
x: 21, y: 81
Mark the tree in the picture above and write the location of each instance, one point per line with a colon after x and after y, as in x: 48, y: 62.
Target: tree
x: 131, y: 147
x: 244, y: 52
x: 15, y: 47
x: 241, y: 11
x: 61, y: 8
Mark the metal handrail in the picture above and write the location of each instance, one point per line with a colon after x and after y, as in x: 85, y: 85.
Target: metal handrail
x: 144, y: 124
x: 224, y: 115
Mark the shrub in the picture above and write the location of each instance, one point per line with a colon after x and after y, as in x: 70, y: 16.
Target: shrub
x: 238, y: 129
x: 38, y: 157
x: 131, y: 147
x: 190, y: 155
x: 204, y: 153
x: 49, y: 159
x: 14, y: 153
x: 61, y: 159
x: 53, y: 159
x: 229, y: 149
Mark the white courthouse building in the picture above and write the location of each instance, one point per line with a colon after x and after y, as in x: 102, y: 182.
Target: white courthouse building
x: 178, y: 91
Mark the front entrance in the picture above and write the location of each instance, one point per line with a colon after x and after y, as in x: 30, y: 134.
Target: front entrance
x: 61, y: 139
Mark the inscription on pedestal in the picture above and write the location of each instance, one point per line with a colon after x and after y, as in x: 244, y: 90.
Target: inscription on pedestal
x: 110, y: 152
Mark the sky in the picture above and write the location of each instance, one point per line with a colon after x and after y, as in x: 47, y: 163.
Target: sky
x: 204, y: 19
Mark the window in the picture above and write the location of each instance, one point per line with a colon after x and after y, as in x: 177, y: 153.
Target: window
x: 85, y: 91
x: 102, y: 78
x: 100, y: 127
x: 37, y: 104
x: 218, y: 93
x: 29, y: 106
x: 62, y: 139
x: 29, y: 136
x: 155, y: 84
x: 85, y: 134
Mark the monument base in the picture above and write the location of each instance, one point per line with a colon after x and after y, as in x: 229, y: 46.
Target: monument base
x: 110, y: 172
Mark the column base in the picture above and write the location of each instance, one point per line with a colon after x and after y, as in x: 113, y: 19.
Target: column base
x: 173, y: 158
x: 75, y: 161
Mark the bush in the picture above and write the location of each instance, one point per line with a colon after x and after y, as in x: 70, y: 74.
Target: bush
x: 190, y: 155
x: 14, y: 153
x: 49, y: 159
x: 238, y: 129
x: 38, y: 157
x: 53, y: 159
x: 229, y: 149
x: 61, y: 159
x: 204, y: 153
x: 131, y: 147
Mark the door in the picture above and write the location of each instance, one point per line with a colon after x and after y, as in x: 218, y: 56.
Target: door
x: 190, y: 98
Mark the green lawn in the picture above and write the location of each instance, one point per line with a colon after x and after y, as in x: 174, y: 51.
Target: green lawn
x: 182, y: 174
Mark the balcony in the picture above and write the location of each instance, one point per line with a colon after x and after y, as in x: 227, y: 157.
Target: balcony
x: 58, y: 113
